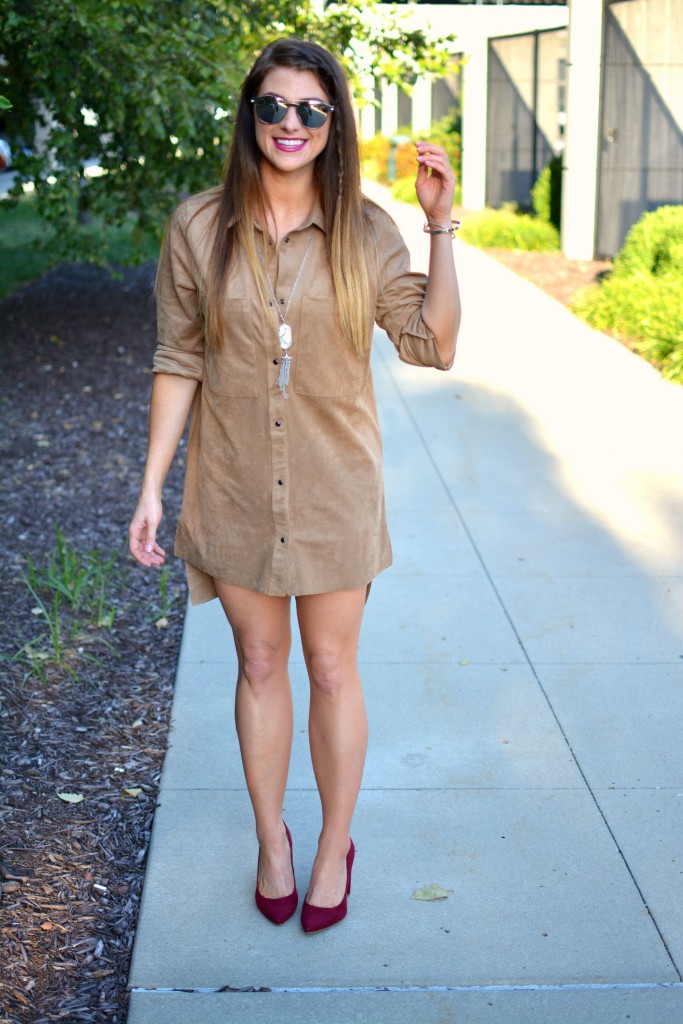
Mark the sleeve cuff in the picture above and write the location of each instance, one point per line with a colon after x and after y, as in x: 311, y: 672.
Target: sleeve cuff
x: 182, y: 364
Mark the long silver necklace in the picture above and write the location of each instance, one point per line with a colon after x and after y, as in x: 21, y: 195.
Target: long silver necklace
x: 284, y: 331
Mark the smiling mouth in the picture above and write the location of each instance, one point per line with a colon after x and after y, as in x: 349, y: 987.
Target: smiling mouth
x: 290, y: 145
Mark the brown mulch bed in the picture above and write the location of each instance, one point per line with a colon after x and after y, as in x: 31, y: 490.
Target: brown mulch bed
x: 74, y: 368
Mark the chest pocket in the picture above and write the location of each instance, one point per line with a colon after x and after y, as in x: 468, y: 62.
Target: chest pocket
x: 231, y: 372
x: 326, y: 365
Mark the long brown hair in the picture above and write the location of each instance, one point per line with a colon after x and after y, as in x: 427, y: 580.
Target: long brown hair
x: 336, y: 179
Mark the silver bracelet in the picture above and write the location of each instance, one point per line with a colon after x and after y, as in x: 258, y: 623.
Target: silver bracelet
x: 440, y: 229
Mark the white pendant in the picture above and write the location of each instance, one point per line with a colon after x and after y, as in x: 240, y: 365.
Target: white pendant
x: 285, y: 335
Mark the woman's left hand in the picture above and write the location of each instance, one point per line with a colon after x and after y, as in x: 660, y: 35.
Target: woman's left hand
x: 435, y: 191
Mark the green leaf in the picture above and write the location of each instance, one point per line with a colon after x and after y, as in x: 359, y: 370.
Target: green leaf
x: 431, y: 892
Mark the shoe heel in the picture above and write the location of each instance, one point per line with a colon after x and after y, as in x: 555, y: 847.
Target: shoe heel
x: 349, y: 867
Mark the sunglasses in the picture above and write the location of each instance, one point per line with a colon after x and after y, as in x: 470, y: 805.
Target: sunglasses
x: 273, y: 109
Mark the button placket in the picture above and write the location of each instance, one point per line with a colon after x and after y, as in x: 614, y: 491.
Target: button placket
x: 279, y: 493
x: 286, y: 262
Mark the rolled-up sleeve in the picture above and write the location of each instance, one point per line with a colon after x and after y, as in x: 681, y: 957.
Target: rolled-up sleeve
x: 180, y: 325
x: 400, y: 294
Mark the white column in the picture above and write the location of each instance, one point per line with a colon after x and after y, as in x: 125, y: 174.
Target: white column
x: 422, y: 106
x: 474, y: 96
x: 389, y: 109
x: 582, y: 150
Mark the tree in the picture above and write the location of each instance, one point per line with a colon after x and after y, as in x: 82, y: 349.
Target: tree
x: 146, y: 88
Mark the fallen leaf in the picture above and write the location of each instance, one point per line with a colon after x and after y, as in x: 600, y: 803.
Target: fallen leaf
x: 431, y: 892
x: 71, y: 798
x: 132, y: 792
x: 46, y: 926
x: 161, y: 623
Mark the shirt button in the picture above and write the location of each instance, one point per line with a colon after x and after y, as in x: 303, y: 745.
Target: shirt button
x: 282, y: 540
x: 282, y: 302
x: 280, y: 482
x: 277, y: 423
x: 276, y: 361
x: 287, y: 240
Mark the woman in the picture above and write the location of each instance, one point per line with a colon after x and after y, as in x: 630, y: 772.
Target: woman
x: 267, y: 293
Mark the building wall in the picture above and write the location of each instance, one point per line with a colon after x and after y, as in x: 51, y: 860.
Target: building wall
x: 654, y: 28
x: 641, y: 136
x: 525, y: 112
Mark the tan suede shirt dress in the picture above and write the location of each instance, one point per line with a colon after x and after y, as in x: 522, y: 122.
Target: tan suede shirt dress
x: 283, y: 495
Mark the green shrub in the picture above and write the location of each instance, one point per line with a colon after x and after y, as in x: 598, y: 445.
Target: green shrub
x: 405, y: 161
x: 654, y: 245
x: 641, y: 301
x: 403, y: 189
x: 507, y: 229
x: 22, y: 261
x: 374, y: 154
x: 546, y: 194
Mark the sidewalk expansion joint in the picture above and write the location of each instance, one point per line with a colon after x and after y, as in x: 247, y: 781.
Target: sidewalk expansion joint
x: 409, y: 989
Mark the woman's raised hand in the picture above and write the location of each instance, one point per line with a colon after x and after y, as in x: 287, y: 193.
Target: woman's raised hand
x: 142, y: 532
x: 435, y: 190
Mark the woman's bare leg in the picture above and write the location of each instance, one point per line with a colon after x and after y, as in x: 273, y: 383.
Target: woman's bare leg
x: 263, y: 715
x: 330, y: 627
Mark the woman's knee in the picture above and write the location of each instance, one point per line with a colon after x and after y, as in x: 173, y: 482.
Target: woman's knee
x: 329, y: 672
x: 261, y: 663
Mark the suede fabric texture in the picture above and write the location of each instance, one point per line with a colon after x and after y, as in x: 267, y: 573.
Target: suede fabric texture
x: 283, y: 496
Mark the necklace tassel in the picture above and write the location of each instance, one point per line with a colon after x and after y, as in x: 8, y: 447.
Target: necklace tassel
x: 283, y: 376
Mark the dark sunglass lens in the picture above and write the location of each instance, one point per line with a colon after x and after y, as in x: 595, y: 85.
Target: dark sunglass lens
x: 269, y: 110
x: 311, y: 117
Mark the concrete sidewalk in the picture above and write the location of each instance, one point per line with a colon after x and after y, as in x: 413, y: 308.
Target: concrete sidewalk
x: 523, y: 667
